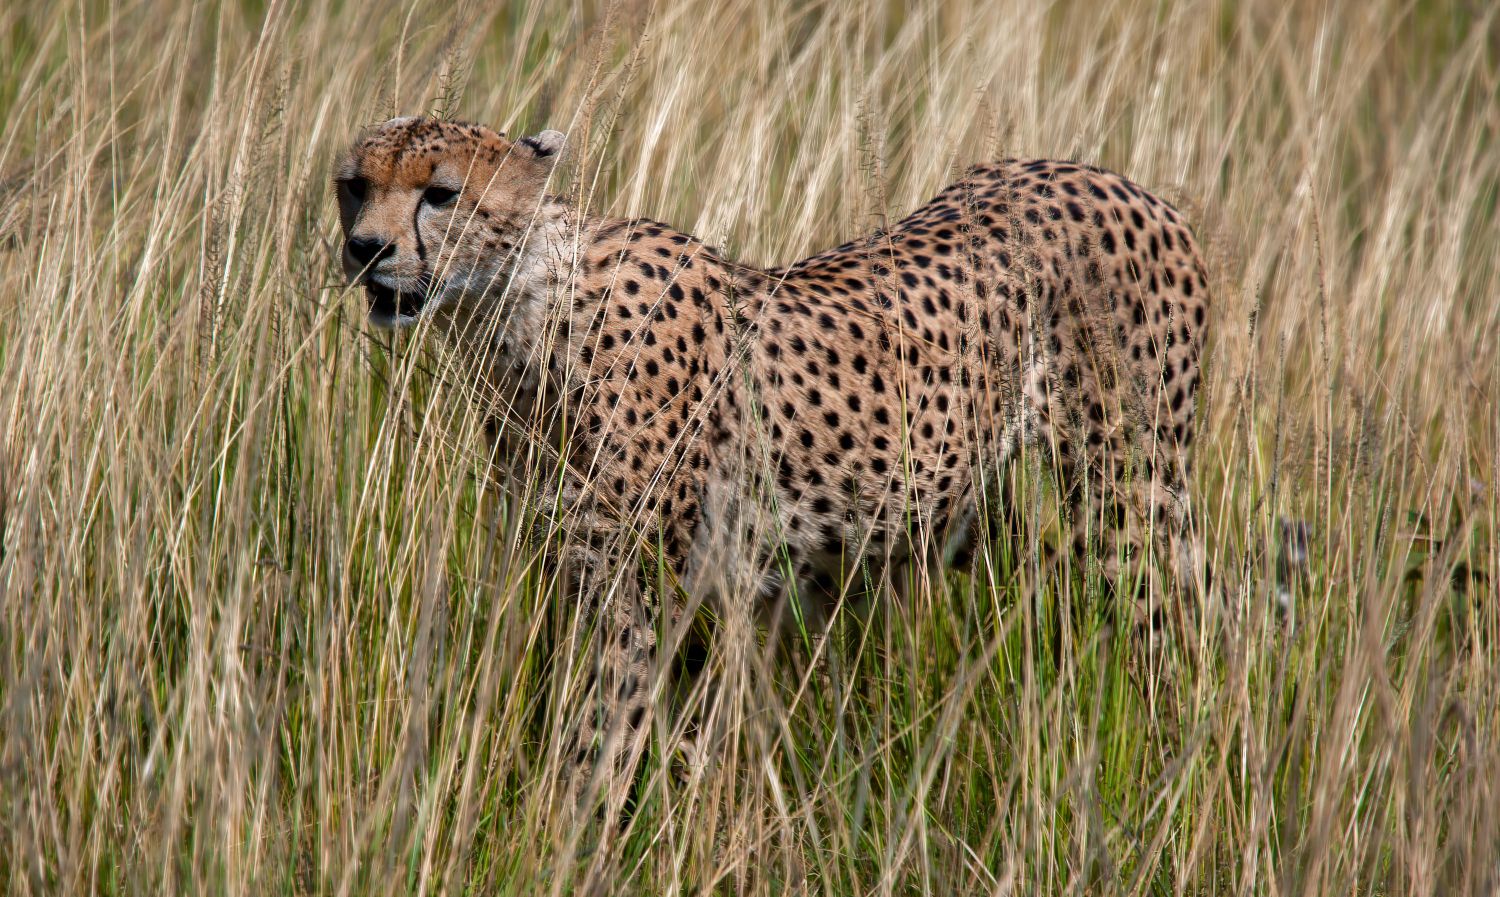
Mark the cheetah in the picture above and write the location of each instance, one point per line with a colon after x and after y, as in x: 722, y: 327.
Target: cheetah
x: 763, y: 428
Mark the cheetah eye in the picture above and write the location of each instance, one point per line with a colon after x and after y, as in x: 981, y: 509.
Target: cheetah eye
x: 439, y: 196
x: 356, y: 187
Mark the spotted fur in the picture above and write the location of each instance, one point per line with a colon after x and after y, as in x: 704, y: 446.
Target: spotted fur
x: 825, y: 418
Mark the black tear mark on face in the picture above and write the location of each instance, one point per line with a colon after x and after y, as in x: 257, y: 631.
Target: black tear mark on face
x: 416, y: 229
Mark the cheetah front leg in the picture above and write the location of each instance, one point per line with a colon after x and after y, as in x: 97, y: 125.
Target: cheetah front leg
x: 615, y: 622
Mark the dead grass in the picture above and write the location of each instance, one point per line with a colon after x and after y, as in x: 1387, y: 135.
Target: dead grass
x: 263, y: 632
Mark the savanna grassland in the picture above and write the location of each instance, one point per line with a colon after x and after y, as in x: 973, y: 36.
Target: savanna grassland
x: 267, y: 628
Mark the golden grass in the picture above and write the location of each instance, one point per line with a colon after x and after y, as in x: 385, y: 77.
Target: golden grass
x: 263, y: 631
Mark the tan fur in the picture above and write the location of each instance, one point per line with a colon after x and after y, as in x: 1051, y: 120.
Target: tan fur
x: 846, y: 410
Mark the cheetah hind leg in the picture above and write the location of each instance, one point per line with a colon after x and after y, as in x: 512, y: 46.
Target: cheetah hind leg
x: 1158, y: 591
x: 696, y: 695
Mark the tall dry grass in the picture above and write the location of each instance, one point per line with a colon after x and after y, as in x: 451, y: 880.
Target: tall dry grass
x: 265, y: 629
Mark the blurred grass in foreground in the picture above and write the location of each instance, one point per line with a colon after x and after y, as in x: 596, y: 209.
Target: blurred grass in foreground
x: 264, y: 631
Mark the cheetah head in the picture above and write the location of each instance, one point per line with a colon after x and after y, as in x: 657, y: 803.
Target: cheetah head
x: 434, y: 212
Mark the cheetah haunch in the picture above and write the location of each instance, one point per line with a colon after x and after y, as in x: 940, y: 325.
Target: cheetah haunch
x: 804, y: 423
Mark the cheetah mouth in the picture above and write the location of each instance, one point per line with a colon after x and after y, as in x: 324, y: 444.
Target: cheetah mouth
x: 394, y: 308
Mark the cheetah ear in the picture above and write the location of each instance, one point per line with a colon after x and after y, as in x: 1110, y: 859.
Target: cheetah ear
x: 544, y: 147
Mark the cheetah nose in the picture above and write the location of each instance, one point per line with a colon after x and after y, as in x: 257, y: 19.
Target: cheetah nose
x: 369, y: 250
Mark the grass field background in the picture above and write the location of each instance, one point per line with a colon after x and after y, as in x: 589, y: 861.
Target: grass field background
x: 266, y: 630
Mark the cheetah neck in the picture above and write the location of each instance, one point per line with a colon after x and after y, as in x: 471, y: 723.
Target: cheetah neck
x: 511, y: 328
x: 521, y: 339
